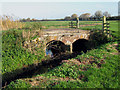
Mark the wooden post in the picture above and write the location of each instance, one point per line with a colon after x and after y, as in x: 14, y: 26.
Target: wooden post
x: 71, y: 24
x: 106, y: 27
x: 77, y: 23
x: 108, y: 30
x: 104, y: 21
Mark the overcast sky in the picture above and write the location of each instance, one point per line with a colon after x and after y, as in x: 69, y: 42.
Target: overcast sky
x: 50, y: 10
x: 59, y: 0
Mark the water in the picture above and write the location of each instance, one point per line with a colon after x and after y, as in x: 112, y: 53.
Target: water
x: 49, y: 52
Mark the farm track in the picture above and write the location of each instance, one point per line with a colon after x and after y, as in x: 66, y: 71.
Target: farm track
x: 39, y: 68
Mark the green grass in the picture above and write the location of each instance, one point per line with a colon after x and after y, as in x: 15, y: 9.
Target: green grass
x: 65, y: 24
x: 0, y: 66
x: 14, y: 56
x: 18, y: 84
x: 58, y: 24
x: 83, y: 75
x: 114, y: 27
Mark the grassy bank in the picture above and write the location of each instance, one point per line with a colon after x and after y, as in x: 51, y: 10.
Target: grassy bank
x: 14, y: 56
x: 97, y: 68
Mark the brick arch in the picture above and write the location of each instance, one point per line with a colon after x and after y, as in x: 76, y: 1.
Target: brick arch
x: 50, y: 41
x: 56, y: 47
x: 72, y: 39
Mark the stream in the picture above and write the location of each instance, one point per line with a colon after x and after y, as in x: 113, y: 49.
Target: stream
x: 39, y: 68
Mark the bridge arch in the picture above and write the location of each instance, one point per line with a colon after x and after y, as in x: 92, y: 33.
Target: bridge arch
x: 80, y: 45
x: 55, y: 47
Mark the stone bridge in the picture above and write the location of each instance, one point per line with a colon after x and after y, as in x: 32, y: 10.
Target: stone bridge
x: 66, y: 36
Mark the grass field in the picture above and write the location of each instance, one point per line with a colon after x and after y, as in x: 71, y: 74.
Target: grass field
x: 102, y: 73
x: 65, y: 24
x: 60, y: 24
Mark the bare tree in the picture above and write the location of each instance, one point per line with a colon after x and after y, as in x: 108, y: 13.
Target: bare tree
x: 28, y: 19
x: 106, y: 14
x: 85, y: 16
x: 98, y: 14
x: 23, y: 20
x: 33, y: 19
x: 74, y: 16
x: 81, y: 16
x: 67, y: 18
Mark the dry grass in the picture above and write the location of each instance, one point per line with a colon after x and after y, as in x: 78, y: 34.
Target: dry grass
x: 8, y: 22
x: 31, y: 42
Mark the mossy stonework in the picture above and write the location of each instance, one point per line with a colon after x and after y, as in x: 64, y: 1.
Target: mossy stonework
x: 66, y: 36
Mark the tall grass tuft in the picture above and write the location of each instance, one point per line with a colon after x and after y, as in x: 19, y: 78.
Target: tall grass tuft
x: 8, y: 22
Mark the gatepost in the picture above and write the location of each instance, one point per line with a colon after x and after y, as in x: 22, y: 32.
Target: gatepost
x: 104, y: 21
x: 106, y: 26
x: 77, y: 22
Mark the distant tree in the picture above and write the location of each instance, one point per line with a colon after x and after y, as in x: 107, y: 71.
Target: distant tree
x: 33, y: 19
x: 106, y: 14
x: 98, y: 14
x: 23, y: 20
x: 81, y: 16
x: 85, y: 16
x: 67, y: 18
x: 28, y: 19
x: 74, y: 16
x: 92, y: 17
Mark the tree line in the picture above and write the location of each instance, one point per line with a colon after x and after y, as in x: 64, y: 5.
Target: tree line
x: 85, y: 16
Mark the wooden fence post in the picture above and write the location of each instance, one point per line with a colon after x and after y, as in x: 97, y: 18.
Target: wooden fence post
x: 106, y: 26
x: 108, y: 30
x: 71, y: 24
x: 104, y: 21
x: 77, y: 22
x: 74, y: 24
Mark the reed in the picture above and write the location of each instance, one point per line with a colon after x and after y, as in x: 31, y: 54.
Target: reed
x: 8, y: 22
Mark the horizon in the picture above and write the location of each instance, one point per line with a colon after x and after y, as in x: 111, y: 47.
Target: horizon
x: 55, y: 10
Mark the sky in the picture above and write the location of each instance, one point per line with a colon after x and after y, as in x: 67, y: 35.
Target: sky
x: 55, y: 9
x: 59, y: 0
